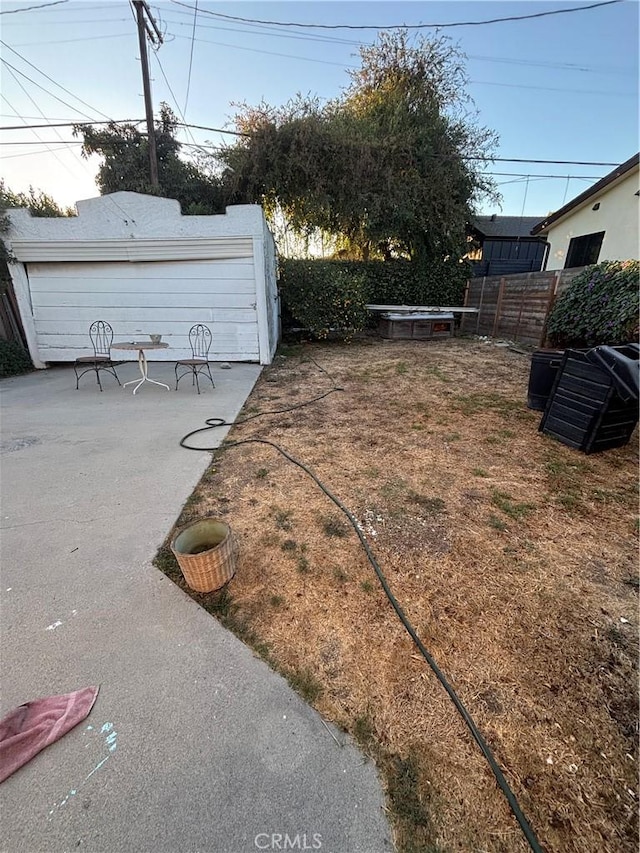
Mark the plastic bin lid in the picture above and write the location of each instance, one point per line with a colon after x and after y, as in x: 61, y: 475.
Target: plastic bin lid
x: 623, y: 364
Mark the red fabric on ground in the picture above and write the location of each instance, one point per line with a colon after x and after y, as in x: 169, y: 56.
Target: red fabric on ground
x: 31, y: 727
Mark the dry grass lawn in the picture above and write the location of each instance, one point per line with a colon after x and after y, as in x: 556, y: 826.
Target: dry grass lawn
x: 514, y: 557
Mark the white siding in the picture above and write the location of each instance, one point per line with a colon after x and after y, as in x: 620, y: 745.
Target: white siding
x: 145, y: 298
x: 617, y: 216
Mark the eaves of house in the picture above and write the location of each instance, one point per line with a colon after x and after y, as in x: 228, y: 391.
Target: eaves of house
x: 604, y: 183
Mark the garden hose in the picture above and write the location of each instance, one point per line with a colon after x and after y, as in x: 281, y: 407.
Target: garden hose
x: 213, y: 423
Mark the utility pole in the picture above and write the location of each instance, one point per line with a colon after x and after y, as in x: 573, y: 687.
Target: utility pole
x: 148, y: 27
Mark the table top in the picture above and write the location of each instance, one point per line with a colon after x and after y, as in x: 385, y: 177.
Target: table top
x: 138, y: 345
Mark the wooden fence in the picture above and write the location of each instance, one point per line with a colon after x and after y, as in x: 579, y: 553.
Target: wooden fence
x: 514, y: 306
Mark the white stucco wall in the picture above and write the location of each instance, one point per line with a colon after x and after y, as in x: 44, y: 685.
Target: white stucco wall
x: 136, y: 262
x: 617, y: 216
x: 133, y: 216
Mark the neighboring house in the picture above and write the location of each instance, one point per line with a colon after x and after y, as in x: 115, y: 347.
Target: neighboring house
x: 600, y: 224
x: 506, y: 245
x: 135, y: 261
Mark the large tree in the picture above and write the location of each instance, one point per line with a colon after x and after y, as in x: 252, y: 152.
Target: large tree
x: 125, y: 166
x: 387, y: 167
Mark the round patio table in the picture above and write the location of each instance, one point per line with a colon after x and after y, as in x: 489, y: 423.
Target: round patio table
x: 141, y: 346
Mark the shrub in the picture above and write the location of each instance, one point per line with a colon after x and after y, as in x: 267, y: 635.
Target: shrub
x: 322, y: 299
x: 600, y: 306
x: 14, y: 358
x: 322, y: 295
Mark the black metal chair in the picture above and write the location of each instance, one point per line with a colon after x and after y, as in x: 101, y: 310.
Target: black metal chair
x: 101, y: 336
x: 200, y: 342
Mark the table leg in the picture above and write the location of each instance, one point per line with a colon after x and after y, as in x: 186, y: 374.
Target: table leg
x: 144, y: 372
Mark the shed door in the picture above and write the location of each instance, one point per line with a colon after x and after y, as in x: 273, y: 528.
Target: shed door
x: 139, y: 299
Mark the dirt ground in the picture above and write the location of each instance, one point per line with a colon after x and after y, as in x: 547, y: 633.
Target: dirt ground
x: 514, y: 557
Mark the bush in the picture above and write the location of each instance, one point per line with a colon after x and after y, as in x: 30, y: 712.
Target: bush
x: 14, y: 358
x: 322, y: 299
x: 313, y: 297
x: 600, y: 306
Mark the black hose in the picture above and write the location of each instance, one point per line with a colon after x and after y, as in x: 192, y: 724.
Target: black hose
x: 212, y: 423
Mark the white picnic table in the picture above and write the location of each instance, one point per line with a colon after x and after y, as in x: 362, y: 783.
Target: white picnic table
x: 420, y: 309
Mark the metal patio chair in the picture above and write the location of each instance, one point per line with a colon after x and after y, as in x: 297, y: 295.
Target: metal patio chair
x: 101, y: 336
x: 200, y: 342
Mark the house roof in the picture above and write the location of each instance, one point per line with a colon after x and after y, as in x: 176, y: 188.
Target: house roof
x: 603, y: 183
x: 505, y: 226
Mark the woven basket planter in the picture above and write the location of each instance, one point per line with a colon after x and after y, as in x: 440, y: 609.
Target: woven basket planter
x: 206, y: 554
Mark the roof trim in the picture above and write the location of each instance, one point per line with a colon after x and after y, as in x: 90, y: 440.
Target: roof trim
x: 618, y: 172
x: 149, y: 249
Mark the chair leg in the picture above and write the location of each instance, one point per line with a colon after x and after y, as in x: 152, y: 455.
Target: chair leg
x: 195, y: 377
x: 210, y: 376
x: 176, y: 372
x: 97, y: 370
x: 113, y: 370
x: 75, y: 370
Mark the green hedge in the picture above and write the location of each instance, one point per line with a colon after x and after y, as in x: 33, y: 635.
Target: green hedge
x: 14, y: 358
x: 331, y: 295
x: 322, y: 299
x: 600, y: 306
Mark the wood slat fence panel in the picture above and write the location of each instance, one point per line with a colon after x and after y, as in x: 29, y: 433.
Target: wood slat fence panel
x: 514, y: 306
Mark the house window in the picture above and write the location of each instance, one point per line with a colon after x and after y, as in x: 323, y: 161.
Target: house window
x: 584, y: 250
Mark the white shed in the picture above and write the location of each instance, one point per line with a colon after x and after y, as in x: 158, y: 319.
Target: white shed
x: 135, y: 261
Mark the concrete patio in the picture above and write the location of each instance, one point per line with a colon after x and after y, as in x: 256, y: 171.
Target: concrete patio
x: 212, y: 751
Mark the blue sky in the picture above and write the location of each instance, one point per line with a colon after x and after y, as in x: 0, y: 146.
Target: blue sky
x: 560, y: 87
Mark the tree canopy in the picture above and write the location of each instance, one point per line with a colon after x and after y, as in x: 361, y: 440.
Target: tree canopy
x: 388, y: 166
x: 125, y: 166
x: 38, y: 202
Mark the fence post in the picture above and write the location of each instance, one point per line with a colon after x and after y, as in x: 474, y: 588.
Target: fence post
x: 496, y: 320
x: 552, y: 298
x: 524, y: 293
x: 484, y: 278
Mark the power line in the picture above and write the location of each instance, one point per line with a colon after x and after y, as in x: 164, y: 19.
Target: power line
x: 193, y: 34
x: 35, y: 132
x: 36, y: 118
x: 22, y: 74
x: 30, y: 8
x: 553, y: 162
x: 344, y: 65
x: 68, y: 23
x: 55, y: 82
x: 563, y: 177
x: 258, y: 29
x: 43, y: 141
x: 70, y: 124
x: 565, y: 66
x: 31, y: 153
x: 405, y: 26
x: 70, y: 41
x: 195, y: 144
x: 274, y: 33
x: 214, y: 129
x: 175, y: 100
x: 57, y: 133
x: 556, y: 89
x: 268, y: 52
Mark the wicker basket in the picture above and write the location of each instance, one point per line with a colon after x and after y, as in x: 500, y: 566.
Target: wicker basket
x: 206, y: 554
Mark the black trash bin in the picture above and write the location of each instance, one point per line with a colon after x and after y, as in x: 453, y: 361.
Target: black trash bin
x: 544, y: 367
x: 593, y: 404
